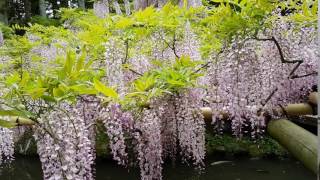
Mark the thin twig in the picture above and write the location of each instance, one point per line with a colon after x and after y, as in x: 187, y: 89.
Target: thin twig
x: 127, y: 56
x: 206, y: 65
x: 269, y: 97
x: 173, y: 46
x: 135, y: 72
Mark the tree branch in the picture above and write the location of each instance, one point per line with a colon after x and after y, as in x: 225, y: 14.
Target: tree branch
x: 263, y: 103
x: 304, y: 75
x: 206, y: 65
x: 173, y: 46
x: 274, y: 40
x: 283, y: 60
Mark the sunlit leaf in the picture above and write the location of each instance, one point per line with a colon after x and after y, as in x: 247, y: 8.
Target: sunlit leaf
x: 7, y: 124
x: 109, y: 92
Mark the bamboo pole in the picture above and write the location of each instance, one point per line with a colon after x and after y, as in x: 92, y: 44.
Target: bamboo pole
x: 297, y: 109
x: 302, y: 144
x: 23, y: 121
x: 313, y: 98
x: 290, y: 110
x: 207, y: 113
x: 15, y: 121
x: 298, y: 141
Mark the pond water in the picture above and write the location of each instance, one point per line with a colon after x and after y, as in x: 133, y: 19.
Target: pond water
x: 242, y: 169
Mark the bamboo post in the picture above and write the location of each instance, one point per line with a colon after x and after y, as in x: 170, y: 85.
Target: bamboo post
x: 23, y: 121
x: 298, y: 109
x: 207, y: 113
x: 299, y: 142
x: 313, y: 98
x: 290, y: 110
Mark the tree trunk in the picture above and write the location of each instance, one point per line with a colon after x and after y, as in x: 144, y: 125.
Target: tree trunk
x: 101, y: 8
x: 81, y: 4
x: 140, y: 4
x: 55, y: 8
x: 127, y: 7
x: 27, y: 9
x: 1, y: 38
x: 64, y: 3
x: 161, y: 3
x: 42, y: 8
x: 117, y: 7
x: 190, y: 3
x: 3, y: 11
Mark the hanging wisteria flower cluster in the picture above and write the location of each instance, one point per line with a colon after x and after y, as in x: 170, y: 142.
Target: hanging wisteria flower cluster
x: 6, y: 145
x: 115, y: 55
x: 260, y: 74
x: 89, y: 108
x: 117, y: 123
x: 166, y: 110
x: 190, y: 127
x: 149, y: 149
x: 6, y: 135
x: 64, y: 146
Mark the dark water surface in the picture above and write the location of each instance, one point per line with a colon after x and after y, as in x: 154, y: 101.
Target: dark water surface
x: 242, y: 169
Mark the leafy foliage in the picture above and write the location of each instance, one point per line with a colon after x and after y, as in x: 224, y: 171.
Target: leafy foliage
x: 165, y: 80
x: 305, y: 11
x: 44, y: 21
